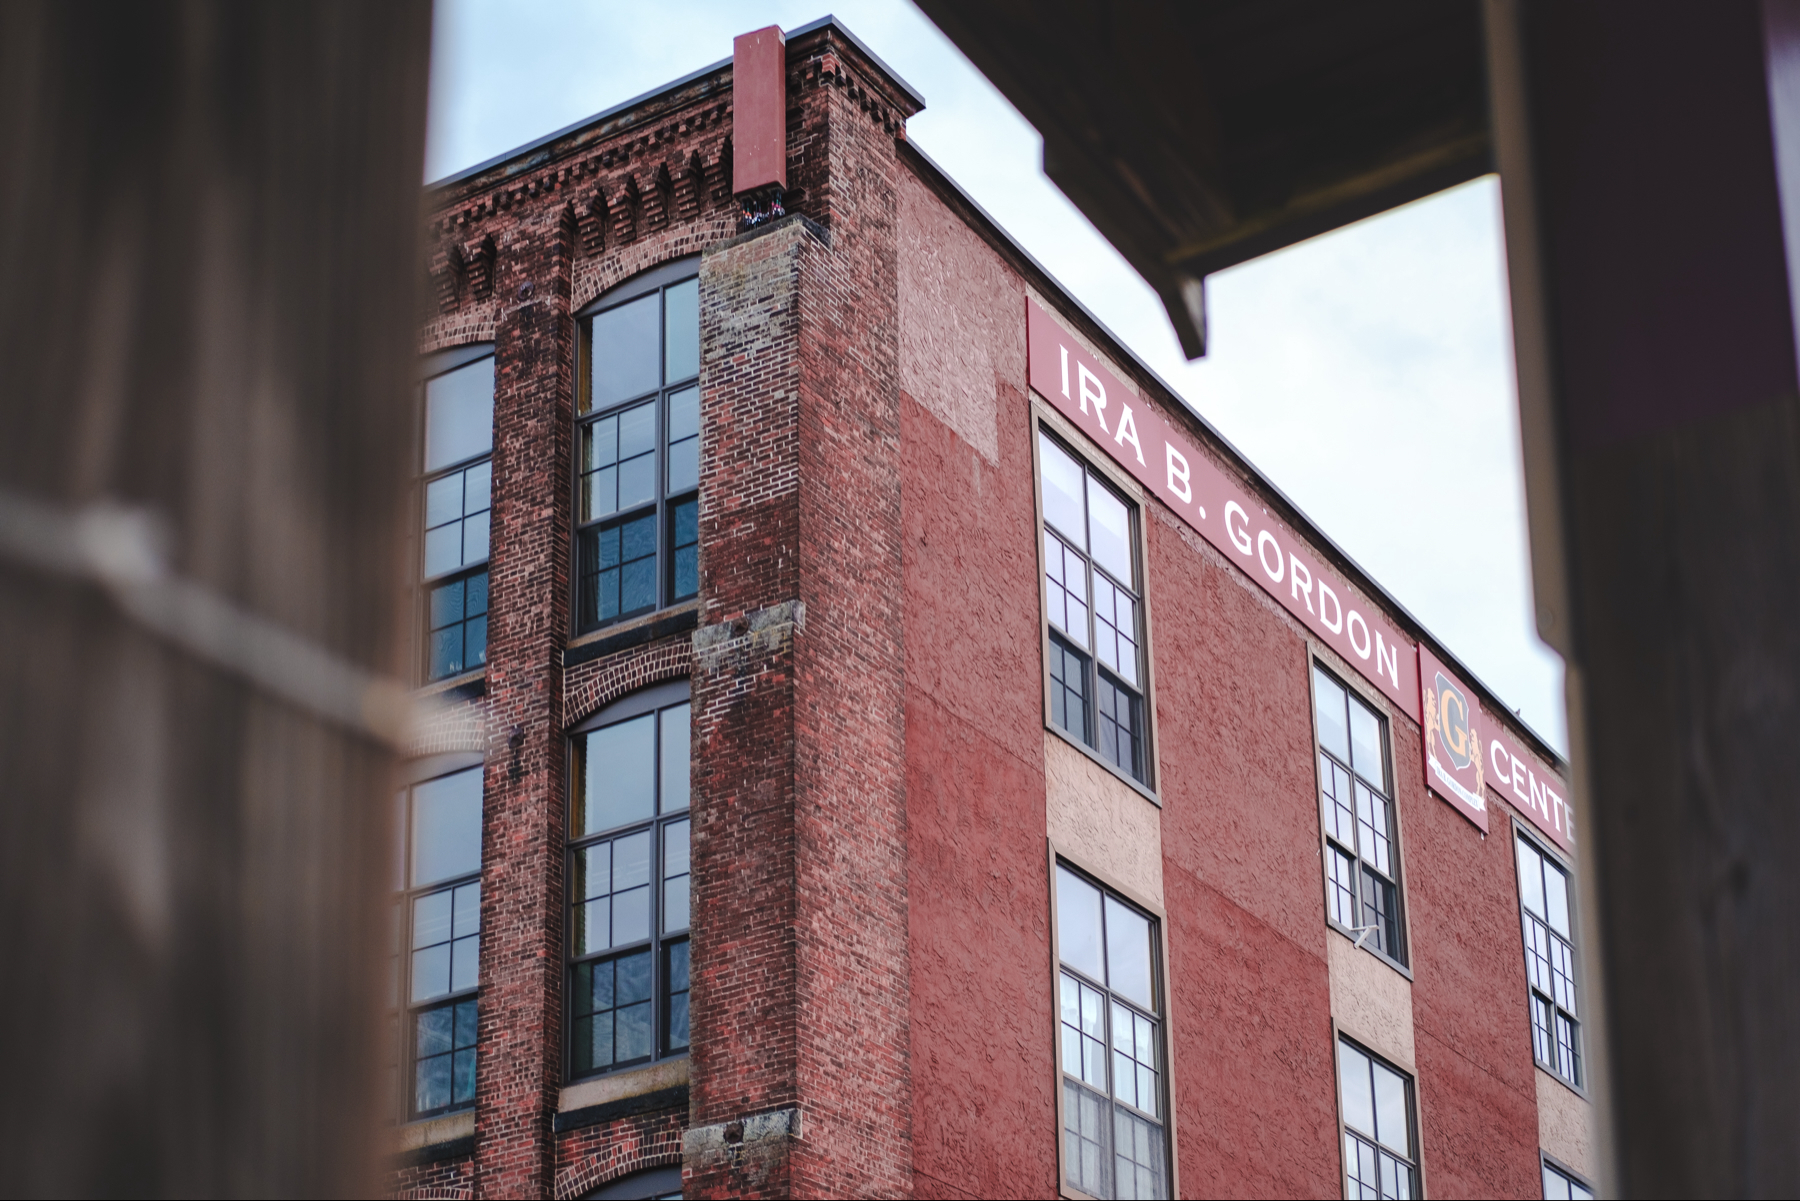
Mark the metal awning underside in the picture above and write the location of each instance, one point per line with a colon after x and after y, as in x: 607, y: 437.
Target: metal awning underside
x: 1198, y: 135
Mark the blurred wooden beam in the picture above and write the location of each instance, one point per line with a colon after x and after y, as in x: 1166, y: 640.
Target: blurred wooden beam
x: 1197, y: 136
x: 209, y: 250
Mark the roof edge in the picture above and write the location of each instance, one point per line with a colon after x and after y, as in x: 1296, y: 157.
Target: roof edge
x: 919, y: 159
x: 722, y: 67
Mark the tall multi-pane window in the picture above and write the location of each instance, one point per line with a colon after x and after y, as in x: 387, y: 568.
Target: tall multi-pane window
x: 1096, y: 611
x: 1550, y: 961
x: 638, y: 449
x: 437, y: 937
x: 628, y: 883
x: 458, y: 488
x: 1560, y: 1185
x: 1110, y: 1001
x: 1362, y: 854
x: 1381, y: 1143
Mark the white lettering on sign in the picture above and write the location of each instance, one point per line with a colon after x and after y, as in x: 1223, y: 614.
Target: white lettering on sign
x: 1178, y: 475
x: 1240, y: 533
x: 1265, y: 542
x: 1297, y: 572
x: 1092, y: 389
x: 1128, y: 429
x: 1193, y: 487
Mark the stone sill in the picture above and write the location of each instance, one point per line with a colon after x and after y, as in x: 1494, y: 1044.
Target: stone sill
x: 661, y: 1085
x: 432, y: 1139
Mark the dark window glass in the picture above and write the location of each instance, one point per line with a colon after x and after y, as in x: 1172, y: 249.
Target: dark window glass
x: 1380, y: 1140
x: 1362, y: 861
x: 1544, y: 893
x: 457, y: 496
x: 1110, y: 1044
x: 1095, y: 611
x: 638, y: 470
x: 628, y: 890
x: 437, y: 916
x: 1561, y: 1186
x: 457, y: 613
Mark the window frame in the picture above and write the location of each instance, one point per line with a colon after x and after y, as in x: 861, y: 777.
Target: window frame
x: 430, y: 367
x: 1402, y: 963
x: 657, y: 279
x: 1415, y: 1137
x: 1050, y: 424
x: 654, y: 698
x: 1061, y: 858
x: 1521, y: 833
x: 405, y: 1011
x: 1548, y: 1163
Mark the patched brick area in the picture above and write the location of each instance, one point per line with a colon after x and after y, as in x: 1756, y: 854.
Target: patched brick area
x: 587, y: 1159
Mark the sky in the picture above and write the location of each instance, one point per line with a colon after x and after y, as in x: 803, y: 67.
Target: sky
x: 1368, y: 372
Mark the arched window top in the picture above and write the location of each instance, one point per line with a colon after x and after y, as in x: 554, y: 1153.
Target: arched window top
x: 644, y: 700
x: 638, y: 447
x: 644, y: 282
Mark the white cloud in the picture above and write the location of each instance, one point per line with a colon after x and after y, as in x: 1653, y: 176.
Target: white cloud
x: 1367, y: 372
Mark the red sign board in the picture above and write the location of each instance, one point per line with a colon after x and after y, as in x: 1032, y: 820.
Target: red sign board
x: 1468, y: 751
x: 1175, y: 471
x: 1454, y: 765
x: 1527, y: 783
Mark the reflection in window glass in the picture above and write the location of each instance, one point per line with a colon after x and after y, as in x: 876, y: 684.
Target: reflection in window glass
x: 637, y: 546
x: 437, y: 923
x: 628, y: 890
x: 1064, y: 489
x: 1362, y: 865
x: 455, y: 506
x: 1561, y: 1186
x: 1110, y: 1044
x: 459, y: 414
x: 1378, y: 1126
x: 1549, y: 961
x: 624, y: 363
x: 447, y: 827
x: 1090, y: 578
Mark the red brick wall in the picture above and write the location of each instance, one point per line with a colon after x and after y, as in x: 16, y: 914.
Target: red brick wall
x: 1249, y: 989
x: 985, y: 1124
x: 1477, y: 1085
x: 446, y: 1180
x: 850, y: 802
x: 800, y: 992
x: 515, y: 255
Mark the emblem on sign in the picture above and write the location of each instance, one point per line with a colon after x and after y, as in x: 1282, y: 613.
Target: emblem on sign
x: 1452, y: 747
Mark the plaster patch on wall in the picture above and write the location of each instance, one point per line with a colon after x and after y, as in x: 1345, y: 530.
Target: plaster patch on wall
x: 1101, y: 821
x: 1563, y: 1124
x: 962, y: 320
x: 1371, y: 1002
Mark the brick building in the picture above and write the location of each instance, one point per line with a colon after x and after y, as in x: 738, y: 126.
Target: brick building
x: 890, y: 746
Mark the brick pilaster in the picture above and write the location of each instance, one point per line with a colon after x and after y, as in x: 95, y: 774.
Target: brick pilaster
x: 801, y: 1075
x: 522, y: 848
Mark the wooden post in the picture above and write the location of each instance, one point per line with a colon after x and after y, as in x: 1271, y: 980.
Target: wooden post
x: 1650, y: 228
x: 209, y: 252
